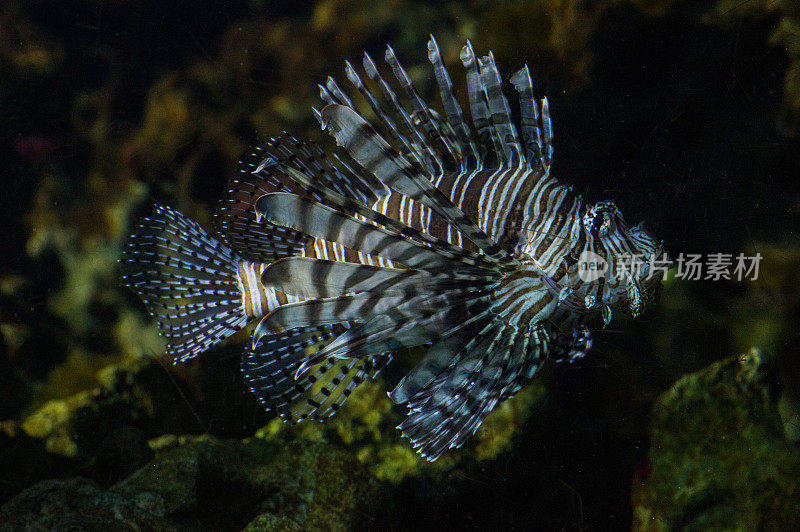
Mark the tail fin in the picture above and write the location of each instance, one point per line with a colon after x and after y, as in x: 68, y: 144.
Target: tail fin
x: 187, y: 279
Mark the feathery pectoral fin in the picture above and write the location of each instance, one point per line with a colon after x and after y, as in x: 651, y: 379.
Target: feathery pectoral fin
x: 384, y: 324
x: 305, y: 277
x: 490, y: 368
x: 323, y: 311
x: 318, y: 278
x: 320, y: 221
x: 439, y: 356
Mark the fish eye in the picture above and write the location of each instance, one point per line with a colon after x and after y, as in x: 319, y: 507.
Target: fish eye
x: 600, y: 217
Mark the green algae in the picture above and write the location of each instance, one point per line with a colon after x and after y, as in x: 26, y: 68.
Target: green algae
x: 312, y: 485
x: 366, y: 424
x: 272, y: 522
x: 719, y: 458
x: 134, y: 393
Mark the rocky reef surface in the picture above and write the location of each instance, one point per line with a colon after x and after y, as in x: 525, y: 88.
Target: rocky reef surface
x: 339, y: 475
x: 723, y: 452
x: 202, y: 484
x: 687, y: 114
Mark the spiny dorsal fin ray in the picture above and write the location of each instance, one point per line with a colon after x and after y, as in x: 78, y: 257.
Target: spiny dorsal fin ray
x: 547, y: 133
x: 481, y: 118
x: 333, y: 87
x: 448, y: 154
x: 373, y: 153
x: 500, y: 113
x: 450, y: 138
x: 388, y: 124
x: 309, y: 158
x: 455, y: 116
x: 421, y: 152
x: 529, y: 117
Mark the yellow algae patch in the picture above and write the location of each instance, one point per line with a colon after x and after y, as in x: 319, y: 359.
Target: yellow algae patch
x: 50, y: 423
x: 78, y: 373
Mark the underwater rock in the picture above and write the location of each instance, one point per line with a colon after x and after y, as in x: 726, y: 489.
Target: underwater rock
x: 75, y: 504
x: 220, y: 485
x: 122, y: 452
x: 719, y: 457
x: 270, y: 484
x: 272, y: 523
x: 103, y: 433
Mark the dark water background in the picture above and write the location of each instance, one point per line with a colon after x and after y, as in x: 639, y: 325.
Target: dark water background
x: 686, y: 113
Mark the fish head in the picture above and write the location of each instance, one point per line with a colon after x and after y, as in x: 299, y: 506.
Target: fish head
x: 630, y: 261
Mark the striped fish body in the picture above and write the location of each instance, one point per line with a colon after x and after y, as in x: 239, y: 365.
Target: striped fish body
x: 425, y: 230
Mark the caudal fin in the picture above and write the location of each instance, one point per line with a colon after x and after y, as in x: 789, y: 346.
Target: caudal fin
x: 186, y: 278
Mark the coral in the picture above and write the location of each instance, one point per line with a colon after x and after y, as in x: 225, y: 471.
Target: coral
x: 79, y: 373
x: 88, y: 256
x: 50, y: 424
x: 719, y: 458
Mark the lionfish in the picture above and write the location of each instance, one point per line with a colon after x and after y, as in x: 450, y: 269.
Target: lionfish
x: 428, y: 230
